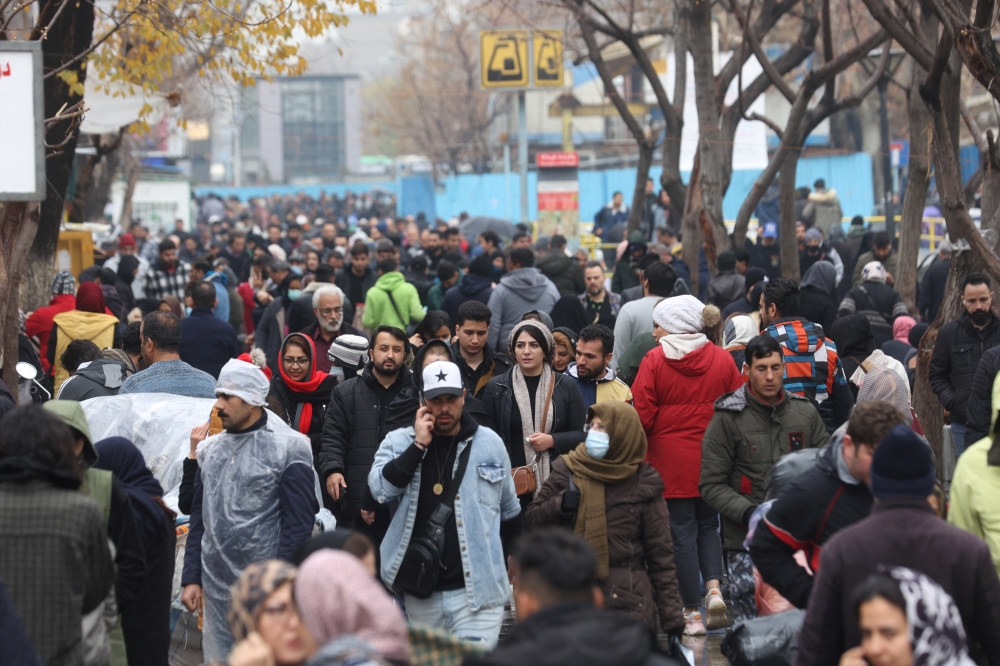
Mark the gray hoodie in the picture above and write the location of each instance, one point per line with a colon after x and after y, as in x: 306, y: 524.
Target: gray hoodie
x: 94, y: 379
x: 519, y: 292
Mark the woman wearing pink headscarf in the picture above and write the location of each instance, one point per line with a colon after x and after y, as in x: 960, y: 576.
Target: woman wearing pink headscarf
x: 348, y: 612
x: 900, y: 343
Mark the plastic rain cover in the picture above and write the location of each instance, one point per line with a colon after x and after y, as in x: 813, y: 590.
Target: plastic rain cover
x: 159, y: 424
x: 241, y: 507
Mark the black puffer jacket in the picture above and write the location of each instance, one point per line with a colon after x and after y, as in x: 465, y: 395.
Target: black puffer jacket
x: 576, y: 634
x: 957, y: 352
x: 568, y: 414
x: 351, y: 430
x: 979, y: 407
x: 803, y: 517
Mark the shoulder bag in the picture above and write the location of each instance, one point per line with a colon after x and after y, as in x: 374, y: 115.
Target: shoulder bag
x: 421, y: 566
x: 525, y: 477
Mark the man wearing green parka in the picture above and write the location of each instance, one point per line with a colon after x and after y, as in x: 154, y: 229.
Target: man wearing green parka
x: 392, y: 301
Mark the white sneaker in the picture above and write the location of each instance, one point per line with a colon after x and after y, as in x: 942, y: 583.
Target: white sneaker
x: 693, y: 626
x: 716, y: 610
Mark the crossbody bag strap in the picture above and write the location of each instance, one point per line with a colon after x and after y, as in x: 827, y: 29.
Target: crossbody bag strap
x: 444, y: 510
x: 393, y: 301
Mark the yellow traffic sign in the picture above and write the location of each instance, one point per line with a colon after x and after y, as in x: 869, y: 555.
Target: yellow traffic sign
x: 503, y: 56
x: 548, y: 52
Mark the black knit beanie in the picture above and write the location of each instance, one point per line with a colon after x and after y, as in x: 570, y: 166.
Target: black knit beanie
x: 902, y: 465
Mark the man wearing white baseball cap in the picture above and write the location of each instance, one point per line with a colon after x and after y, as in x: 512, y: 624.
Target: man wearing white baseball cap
x: 443, y: 550
x: 255, y: 499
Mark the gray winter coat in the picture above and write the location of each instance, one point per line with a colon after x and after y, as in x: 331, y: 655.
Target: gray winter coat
x: 519, y: 292
x: 100, y: 378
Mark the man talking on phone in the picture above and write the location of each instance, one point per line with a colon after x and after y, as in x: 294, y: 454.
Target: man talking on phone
x: 447, y: 471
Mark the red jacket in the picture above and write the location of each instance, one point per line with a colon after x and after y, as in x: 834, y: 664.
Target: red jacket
x: 248, y: 295
x: 675, y: 399
x: 39, y: 323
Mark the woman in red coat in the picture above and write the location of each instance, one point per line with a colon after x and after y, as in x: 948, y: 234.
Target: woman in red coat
x: 674, y: 392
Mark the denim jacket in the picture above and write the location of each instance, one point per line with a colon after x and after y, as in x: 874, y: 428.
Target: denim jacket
x: 485, y: 498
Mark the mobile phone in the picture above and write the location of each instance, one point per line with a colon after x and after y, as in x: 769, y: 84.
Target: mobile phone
x: 423, y: 403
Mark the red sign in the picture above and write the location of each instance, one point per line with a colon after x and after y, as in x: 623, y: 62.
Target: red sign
x: 557, y: 160
x: 558, y: 200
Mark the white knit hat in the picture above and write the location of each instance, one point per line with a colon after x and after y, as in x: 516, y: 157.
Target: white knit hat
x: 680, y: 314
x: 245, y: 381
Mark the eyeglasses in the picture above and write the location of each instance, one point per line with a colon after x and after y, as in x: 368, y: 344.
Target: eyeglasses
x: 296, y: 361
x: 598, y: 428
x: 331, y: 311
x: 278, y: 612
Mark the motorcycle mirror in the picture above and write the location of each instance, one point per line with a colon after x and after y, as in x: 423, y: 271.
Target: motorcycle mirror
x: 25, y: 370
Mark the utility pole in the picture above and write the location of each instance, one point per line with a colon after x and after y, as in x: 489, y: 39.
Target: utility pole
x: 522, y: 150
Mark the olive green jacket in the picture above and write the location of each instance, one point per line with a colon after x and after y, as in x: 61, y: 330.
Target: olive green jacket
x: 742, y: 442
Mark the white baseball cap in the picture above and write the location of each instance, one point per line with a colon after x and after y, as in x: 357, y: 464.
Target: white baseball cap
x: 441, y: 378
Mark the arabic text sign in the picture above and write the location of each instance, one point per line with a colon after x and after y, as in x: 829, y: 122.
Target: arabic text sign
x: 22, y: 169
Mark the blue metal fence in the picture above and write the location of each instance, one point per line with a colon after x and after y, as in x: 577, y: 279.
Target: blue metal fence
x: 498, y: 195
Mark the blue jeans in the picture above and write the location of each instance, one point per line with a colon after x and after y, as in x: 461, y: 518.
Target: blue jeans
x: 449, y: 611
x: 958, y: 436
x: 694, y: 526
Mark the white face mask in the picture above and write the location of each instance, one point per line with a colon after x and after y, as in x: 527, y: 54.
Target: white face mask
x: 597, y: 444
x: 338, y: 373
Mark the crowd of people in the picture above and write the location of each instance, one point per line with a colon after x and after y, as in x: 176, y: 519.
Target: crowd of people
x: 498, y: 423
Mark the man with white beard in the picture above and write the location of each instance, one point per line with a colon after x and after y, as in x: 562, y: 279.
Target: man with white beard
x: 328, y: 306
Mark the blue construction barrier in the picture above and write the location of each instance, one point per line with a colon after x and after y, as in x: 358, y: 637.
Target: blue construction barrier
x: 498, y: 195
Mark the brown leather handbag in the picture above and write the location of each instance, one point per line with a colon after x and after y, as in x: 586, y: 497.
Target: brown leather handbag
x: 526, y: 477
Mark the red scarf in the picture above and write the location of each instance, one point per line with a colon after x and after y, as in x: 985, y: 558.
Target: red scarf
x: 313, y: 379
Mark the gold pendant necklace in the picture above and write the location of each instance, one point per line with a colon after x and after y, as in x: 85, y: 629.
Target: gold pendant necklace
x: 438, y: 487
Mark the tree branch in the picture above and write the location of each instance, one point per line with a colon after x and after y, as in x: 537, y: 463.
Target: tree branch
x: 913, y: 44
x: 749, y: 37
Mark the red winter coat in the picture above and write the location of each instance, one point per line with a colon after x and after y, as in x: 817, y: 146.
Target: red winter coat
x: 675, y: 399
x: 39, y: 323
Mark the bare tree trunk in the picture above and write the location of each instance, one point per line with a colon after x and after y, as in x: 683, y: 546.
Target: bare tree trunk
x: 713, y: 180
x: 918, y: 178
x: 670, y: 177
x: 66, y: 37
x: 133, y: 170
x: 84, y: 185
x: 991, y: 181
x: 17, y: 231
x: 690, y: 226
x: 979, y: 257
x: 104, y: 178
x: 641, y: 176
x: 786, y: 220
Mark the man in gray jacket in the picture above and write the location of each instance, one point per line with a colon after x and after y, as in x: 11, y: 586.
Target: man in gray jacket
x: 635, y: 319
x: 520, y: 291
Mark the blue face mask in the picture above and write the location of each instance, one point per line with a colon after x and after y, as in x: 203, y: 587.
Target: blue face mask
x: 598, y: 444
x: 294, y: 293
x: 187, y: 312
x: 297, y: 270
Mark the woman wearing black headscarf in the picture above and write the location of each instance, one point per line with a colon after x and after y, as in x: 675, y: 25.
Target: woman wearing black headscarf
x: 569, y: 313
x: 128, y: 267
x: 146, y: 620
x: 818, y: 291
x: 853, y: 336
